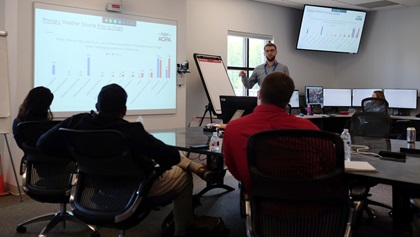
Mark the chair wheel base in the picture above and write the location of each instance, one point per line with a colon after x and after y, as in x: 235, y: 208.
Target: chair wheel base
x: 21, y: 229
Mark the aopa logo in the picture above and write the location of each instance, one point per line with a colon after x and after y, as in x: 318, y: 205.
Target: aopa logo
x: 164, y: 37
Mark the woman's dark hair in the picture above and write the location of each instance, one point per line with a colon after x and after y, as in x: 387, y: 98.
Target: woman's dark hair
x: 36, y: 105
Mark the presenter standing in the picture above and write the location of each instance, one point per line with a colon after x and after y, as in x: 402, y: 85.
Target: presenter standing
x: 261, y: 71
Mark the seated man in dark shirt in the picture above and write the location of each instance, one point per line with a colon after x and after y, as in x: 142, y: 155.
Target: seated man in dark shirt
x: 175, y: 184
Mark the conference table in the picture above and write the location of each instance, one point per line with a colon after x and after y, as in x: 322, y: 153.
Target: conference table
x: 402, y: 176
x: 184, y: 139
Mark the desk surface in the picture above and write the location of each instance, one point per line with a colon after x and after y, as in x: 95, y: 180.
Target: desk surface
x: 389, y: 172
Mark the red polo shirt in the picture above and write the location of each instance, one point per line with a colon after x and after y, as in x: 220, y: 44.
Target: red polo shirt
x: 237, y: 132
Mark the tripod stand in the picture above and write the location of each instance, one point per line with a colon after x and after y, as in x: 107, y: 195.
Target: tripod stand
x: 209, y: 109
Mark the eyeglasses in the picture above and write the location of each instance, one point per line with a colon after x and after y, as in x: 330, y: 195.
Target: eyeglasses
x: 270, y: 51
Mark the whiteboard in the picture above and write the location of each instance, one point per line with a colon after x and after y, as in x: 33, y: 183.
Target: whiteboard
x: 215, y: 79
x: 4, y: 77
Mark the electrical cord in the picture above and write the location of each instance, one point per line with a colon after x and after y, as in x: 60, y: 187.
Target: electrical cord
x: 363, y: 150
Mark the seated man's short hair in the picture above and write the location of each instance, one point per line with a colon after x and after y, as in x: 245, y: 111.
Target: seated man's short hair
x: 112, y: 99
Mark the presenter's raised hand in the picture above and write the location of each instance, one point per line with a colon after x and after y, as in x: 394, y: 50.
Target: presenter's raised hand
x: 242, y: 73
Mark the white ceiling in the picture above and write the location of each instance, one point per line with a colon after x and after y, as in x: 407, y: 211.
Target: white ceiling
x: 367, y: 5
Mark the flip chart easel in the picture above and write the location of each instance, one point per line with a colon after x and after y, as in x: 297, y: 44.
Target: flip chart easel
x: 215, y: 81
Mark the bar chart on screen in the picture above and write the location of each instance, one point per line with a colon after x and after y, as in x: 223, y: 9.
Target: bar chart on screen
x: 88, y: 49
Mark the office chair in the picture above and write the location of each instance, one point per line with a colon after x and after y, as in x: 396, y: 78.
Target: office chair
x: 45, y: 178
x: 369, y: 124
x: 109, y: 187
x: 297, y: 185
x: 372, y: 104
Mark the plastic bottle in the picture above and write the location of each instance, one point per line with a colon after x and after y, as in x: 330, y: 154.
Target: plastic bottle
x: 214, y: 142
x: 309, y: 110
x: 140, y: 119
x: 345, y: 135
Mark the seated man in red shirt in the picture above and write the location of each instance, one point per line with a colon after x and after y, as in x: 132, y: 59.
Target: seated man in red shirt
x: 276, y: 90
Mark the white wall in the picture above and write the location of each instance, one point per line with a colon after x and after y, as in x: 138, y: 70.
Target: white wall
x: 208, y: 22
x: 389, y: 55
x: 2, y: 17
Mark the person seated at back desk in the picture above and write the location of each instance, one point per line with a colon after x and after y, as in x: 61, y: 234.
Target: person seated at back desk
x: 174, y: 184
x: 274, y: 95
x: 376, y: 106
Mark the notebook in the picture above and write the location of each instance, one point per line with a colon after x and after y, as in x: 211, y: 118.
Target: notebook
x: 359, y: 166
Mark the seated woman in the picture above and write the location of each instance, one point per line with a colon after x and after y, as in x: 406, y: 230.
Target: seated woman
x: 35, y: 107
x: 376, y: 105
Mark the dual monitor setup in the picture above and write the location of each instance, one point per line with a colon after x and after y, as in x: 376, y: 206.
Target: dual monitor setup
x: 237, y: 106
x: 397, y: 98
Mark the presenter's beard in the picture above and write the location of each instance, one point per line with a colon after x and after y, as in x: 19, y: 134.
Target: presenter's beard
x: 271, y: 59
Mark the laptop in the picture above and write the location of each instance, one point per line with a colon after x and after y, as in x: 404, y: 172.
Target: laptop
x: 234, y: 107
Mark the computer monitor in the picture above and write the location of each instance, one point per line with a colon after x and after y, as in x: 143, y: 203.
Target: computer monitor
x: 360, y: 93
x: 294, y: 100
x: 314, y: 95
x: 239, y: 105
x: 337, y: 97
x: 401, y: 98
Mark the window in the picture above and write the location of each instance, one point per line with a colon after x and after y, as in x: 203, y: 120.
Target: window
x: 245, y: 52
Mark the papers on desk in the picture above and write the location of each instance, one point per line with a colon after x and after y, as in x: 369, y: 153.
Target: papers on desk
x: 359, y: 166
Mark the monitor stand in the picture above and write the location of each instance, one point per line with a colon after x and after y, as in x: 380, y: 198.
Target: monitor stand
x: 402, y: 112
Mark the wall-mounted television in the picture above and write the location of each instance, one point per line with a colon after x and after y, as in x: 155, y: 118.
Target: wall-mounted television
x: 331, y: 29
x: 337, y: 97
x: 314, y: 95
x: 401, y: 98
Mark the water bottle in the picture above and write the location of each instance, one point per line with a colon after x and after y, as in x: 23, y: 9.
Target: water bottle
x: 309, y: 110
x: 345, y: 135
x: 214, y: 142
x: 140, y: 119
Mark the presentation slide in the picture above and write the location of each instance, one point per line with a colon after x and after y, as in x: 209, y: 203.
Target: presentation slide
x: 331, y: 29
x: 78, y: 51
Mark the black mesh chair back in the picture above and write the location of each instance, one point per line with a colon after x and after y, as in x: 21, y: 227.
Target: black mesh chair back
x: 372, y: 104
x: 365, y: 125
x: 110, y: 188
x: 297, y: 184
x: 46, y: 178
x: 370, y: 124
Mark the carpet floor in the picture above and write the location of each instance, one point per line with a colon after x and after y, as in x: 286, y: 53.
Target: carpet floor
x: 215, y: 203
